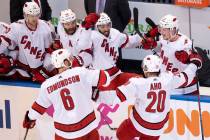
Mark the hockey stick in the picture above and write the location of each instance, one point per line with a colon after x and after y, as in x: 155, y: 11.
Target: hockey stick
x: 136, y: 26
x: 26, y: 133
x: 199, y: 100
x: 136, y: 20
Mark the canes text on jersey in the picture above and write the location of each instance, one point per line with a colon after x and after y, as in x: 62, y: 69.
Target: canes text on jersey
x: 165, y: 61
x: 33, y: 50
x: 108, y: 49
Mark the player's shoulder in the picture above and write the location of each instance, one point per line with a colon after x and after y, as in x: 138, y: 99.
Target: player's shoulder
x: 84, y: 32
x: 166, y: 76
x: 3, y: 24
x: 76, y: 71
x: 185, y: 40
x: 18, y: 23
x: 114, y: 32
x: 4, y: 28
x: 138, y: 80
x: 44, y: 24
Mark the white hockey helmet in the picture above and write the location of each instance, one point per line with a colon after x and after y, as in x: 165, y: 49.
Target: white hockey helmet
x: 58, y: 57
x: 67, y: 16
x: 169, y: 21
x: 31, y: 8
x: 103, y: 20
x: 151, y: 63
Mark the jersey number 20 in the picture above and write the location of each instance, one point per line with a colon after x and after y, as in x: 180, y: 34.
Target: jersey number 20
x: 67, y: 99
x: 160, y: 98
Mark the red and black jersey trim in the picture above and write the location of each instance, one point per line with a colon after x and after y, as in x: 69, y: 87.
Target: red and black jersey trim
x: 112, y: 71
x: 6, y: 39
x: 76, y: 126
x: 125, y: 43
x: 194, y: 81
x: 120, y: 95
x: 186, y: 80
x: 149, y: 125
x: 89, y: 51
x: 38, y: 108
x: 102, y: 79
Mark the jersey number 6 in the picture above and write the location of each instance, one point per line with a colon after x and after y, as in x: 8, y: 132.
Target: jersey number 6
x: 160, y: 98
x: 67, y: 99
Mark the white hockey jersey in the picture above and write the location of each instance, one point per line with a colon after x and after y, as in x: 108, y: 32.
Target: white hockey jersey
x: 70, y: 93
x: 79, y: 44
x: 170, y: 62
x: 4, y: 28
x: 152, y: 105
x: 32, y: 45
x: 105, y: 52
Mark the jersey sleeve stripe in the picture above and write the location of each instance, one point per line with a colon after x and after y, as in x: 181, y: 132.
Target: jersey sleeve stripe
x: 120, y: 95
x: 6, y: 39
x: 38, y: 108
x: 112, y: 71
x: 76, y: 126
x: 194, y: 81
x: 126, y: 42
x: 89, y: 51
x: 186, y: 80
x: 102, y: 79
x: 149, y: 125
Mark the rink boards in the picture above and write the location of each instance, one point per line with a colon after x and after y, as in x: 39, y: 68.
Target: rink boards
x: 16, y: 98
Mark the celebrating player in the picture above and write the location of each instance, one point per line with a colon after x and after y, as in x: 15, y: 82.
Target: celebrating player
x: 70, y: 93
x: 106, y: 42
x: 151, y: 108
x: 75, y: 38
x: 32, y: 38
x: 175, y: 48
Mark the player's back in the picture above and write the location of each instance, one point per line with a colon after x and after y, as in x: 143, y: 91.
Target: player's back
x: 70, y: 93
x: 151, y: 108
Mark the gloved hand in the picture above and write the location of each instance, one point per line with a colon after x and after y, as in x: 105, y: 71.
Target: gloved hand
x: 182, y: 56
x: 77, y: 61
x: 57, y: 44
x: 6, y: 63
x: 196, y: 59
x: 153, y: 32
x: 90, y: 20
x: 27, y: 123
x: 39, y: 75
x: 149, y: 43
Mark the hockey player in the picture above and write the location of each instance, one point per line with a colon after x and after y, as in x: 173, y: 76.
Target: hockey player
x: 70, y: 93
x: 106, y: 42
x: 75, y: 38
x: 32, y: 38
x: 7, y: 57
x: 152, y: 95
x: 175, y: 48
